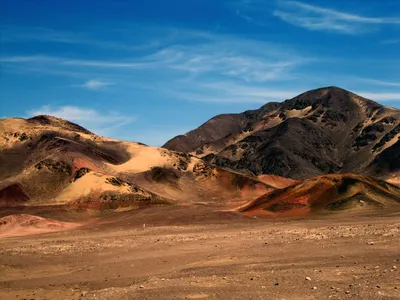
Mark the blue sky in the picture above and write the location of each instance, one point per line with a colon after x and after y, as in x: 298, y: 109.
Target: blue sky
x: 147, y: 70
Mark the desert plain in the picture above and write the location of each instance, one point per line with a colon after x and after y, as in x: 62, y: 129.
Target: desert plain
x: 201, y: 252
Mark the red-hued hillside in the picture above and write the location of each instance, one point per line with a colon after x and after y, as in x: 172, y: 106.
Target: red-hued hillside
x: 327, y: 193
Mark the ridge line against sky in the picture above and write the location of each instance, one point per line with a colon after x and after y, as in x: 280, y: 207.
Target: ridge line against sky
x: 144, y: 72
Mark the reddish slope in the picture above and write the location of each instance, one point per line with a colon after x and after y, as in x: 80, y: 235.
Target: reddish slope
x: 22, y: 224
x: 276, y: 181
x: 326, y: 193
x: 13, y: 194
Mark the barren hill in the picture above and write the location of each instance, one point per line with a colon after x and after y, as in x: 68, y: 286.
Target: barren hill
x: 49, y: 161
x: 336, y: 192
x: 328, y: 130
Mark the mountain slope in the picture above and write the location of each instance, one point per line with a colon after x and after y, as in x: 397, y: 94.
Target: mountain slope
x: 337, y: 192
x: 327, y: 130
x: 49, y: 161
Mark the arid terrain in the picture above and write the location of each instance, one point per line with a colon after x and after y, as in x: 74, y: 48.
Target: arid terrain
x: 197, y: 253
x: 296, y: 200
x: 327, y: 130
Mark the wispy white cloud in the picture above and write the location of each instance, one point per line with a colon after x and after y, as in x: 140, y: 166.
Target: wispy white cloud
x: 380, y: 82
x: 42, y: 59
x: 13, y: 34
x: 94, y: 84
x: 155, y: 135
x: 248, y: 18
x: 109, y: 124
x: 208, y: 54
x: 376, y: 96
x: 197, y: 66
x: 234, y: 61
x: 228, y: 92
x: 216, y: 97
x: 319, y: 18
x: 98, y: 122
x: 240, y: 14
x: 390, y: 42
x: 24, y: 59
x: 252, y: 93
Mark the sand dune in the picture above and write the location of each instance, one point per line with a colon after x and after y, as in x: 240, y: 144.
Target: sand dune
x: 86, y: 185
x: 143, y: 158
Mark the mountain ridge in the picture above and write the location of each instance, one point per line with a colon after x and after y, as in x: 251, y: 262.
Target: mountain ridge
x: 50, y: 162
x: 331, y: 130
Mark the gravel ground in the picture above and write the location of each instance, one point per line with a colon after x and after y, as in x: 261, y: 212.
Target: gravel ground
x: 335, y: 257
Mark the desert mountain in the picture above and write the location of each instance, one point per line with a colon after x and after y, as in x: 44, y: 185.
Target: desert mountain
x: 49, y: 161
x: 336, y: 192
x: 327, y: 130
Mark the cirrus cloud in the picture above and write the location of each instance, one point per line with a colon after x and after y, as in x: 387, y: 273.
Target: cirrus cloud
x: 319, y: 18
x: 96, y: 121
x: 94, y: 84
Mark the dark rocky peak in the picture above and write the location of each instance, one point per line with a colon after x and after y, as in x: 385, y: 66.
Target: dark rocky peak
x: 327, y: 97
x: 325, y: 130
x: 258, y: 114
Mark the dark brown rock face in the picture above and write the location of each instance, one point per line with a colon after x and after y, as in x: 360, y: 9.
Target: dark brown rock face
x: 328, y: 130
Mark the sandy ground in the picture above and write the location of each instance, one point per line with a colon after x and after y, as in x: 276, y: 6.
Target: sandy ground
x: 23, y: 224
x: 193, y: 253
x: 86, y: 185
